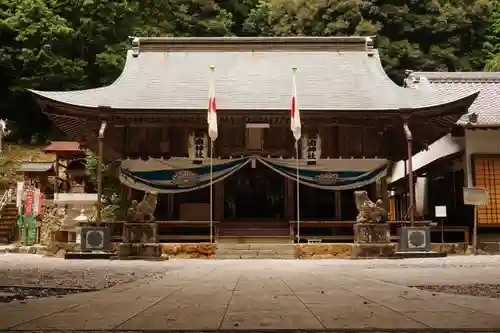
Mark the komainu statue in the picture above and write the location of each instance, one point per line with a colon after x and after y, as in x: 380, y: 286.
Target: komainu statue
x: 144, y: 210
x: 369, y: 212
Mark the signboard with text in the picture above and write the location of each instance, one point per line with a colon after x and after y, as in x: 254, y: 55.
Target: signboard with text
x: 476, y: 196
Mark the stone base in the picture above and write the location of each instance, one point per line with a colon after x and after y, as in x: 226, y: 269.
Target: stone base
x: 373, y: 251
x: 371, y: 233
x: 146, y: 251
x: 424, y: 254
x: 88, y: 255
x: 139, y: 232
x: 415, y: 238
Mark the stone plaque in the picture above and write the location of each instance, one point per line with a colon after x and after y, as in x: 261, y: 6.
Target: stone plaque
x: 95, y: 239
x: 414, y: 239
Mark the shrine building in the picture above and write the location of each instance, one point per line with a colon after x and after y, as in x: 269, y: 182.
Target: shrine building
x: 355, y: 123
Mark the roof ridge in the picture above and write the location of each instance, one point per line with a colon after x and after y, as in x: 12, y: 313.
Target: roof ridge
x: 460, y: 77
x: 298, y: 43
x: 236, y: 39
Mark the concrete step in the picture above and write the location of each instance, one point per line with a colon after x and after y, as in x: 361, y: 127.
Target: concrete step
x: 254, y: 232
x: 255, y: 251
x: 4, y: 239
x: 7, y: 226
x: 226, y: 257
x: 255, y: 246
x: 254, y: 240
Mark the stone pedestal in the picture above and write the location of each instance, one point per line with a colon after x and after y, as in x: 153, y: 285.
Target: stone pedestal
x: 372, y: 240
x: 415, y: 239
x: 95, y: 238
x: 145, y: 251
x: 139, y: 242
x: 139, y: 232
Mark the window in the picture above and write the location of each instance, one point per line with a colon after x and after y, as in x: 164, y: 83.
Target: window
x: 487, y: 175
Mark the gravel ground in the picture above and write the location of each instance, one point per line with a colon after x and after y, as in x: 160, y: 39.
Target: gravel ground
x: 485, y: 290
x: 33, y: 270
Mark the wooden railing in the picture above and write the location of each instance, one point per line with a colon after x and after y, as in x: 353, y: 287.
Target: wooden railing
x: 6, y: 199
x: 173, y: 231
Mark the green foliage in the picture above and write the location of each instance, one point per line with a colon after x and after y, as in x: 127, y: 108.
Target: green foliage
x: 111, y: 185
x: 493, y: 43
x: 421, y: 35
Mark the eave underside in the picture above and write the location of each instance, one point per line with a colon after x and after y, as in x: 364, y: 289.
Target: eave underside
x: 82, y: 124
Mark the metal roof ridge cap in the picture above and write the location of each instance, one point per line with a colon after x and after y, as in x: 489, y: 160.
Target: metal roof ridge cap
x: 460, y: 76
x: 251, y: 40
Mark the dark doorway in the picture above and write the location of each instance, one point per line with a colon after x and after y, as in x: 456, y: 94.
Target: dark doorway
x: 316, y: 204
x: 254, y: 192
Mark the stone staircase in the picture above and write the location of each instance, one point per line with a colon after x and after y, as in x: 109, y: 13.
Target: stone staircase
x: 8, y: 220
x: 255, y: 251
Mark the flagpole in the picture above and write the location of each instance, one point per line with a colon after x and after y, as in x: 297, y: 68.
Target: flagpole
x: 296, y: 129
x: 298, y: 190
x: 211, y: 189
x: 212, y: 138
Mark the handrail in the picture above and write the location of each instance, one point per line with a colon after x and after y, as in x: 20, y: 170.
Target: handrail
x: 6, y: 199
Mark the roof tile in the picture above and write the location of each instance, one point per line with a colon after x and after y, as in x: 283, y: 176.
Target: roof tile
x: 486, y: 105
x: 63, y: 146
x: 350, y: 78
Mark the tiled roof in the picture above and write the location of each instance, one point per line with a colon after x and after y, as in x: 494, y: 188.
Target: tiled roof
x: 334, y: 73
x: 487, y: 104
x: 63, y: 146
x: 36, y: 167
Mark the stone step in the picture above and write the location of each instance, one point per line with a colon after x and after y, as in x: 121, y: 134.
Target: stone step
x: 255, y: 251
x: 255, y: 245
x: 4, y: 239
x: 254, y: 240
x: 272, y: 250
x: 253, y: 256
x: 255, y: 232
x: 261, y: 252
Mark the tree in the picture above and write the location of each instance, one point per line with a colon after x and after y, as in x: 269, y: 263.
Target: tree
x: 111, y: 185
x: 35, y: 53
x: 185, y: 18
x: 493, y: 44
x: 421, y: 35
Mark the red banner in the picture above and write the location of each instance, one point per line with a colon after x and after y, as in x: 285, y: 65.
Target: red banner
x: 28, y: 205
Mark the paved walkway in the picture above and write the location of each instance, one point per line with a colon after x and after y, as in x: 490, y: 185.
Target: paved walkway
x: 266, y: 294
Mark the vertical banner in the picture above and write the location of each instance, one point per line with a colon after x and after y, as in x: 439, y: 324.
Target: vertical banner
x: 28, y: 209
x: 19, y: 197
x: 37, y: 202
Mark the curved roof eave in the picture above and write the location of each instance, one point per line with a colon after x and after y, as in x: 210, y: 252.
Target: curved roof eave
x: 463, y: 101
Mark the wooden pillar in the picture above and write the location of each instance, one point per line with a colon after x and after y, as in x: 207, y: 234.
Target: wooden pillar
x: 100, y: 150
x: 338, y: 204
x: 385, y: 192
x: 382, y: 192
x: 170, y: 206
x: 219, y: 201
x: 56, y: 172
x: 290, y: 212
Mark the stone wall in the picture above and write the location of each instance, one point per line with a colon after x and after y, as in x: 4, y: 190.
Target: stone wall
x: 189, y: 251
x: 207, y: 251
x: 323, y: 251
x: 343, y: 251
x: 52, y: 218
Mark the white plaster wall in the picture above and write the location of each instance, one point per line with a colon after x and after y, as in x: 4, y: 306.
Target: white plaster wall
x: 479, y: 142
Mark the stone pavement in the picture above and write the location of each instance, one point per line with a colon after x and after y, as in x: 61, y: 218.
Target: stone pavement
x: 277, y: 294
